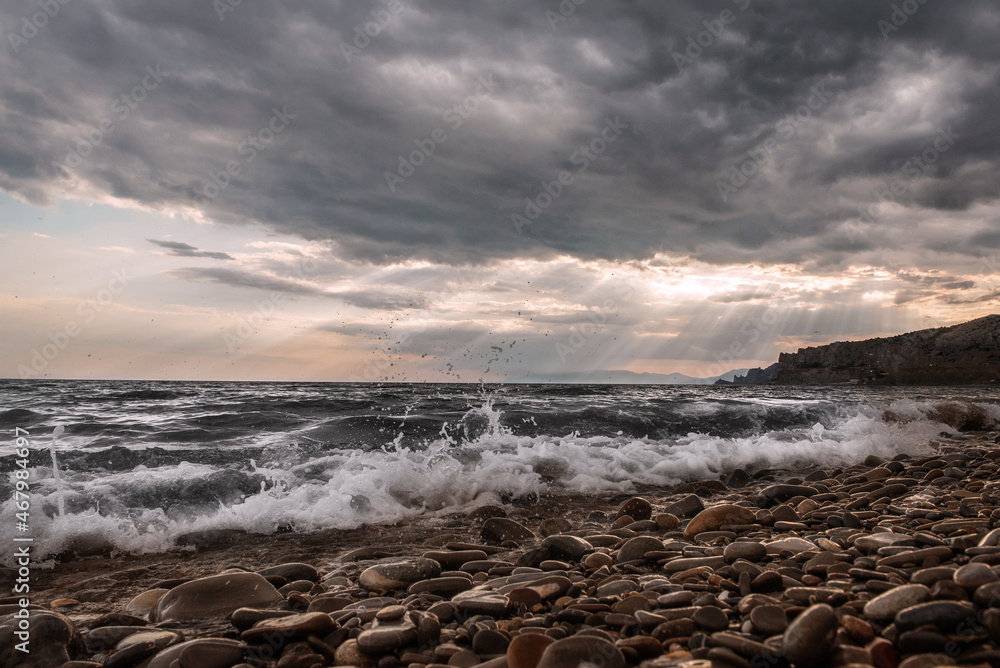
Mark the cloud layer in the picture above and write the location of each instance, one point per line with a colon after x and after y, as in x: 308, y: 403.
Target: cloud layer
x: 740, y: 129
x: 610, y: 184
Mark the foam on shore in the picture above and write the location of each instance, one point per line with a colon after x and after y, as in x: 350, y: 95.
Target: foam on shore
x: 145, y: 510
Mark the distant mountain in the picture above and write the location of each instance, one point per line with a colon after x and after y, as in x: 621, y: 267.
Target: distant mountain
x: 756, y: 376
x: 966, y: 354
x: 622, y: 377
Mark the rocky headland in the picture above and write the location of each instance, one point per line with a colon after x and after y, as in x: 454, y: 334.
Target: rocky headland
x: 883, y: 563
x: 965, y: 354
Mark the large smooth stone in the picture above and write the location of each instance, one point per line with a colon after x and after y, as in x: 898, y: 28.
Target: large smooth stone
x: 792, y: 544
x: 139, y: 646
x: 769, y: 620
x: 535, y: 591
x: 349, y: 654
x: 144, y: 604
x: 637, y: 508
x: 384, y: 637
x: 496, y: 530
x: 580, y: 650
x: 689, y: 505
x: 871, y: 544
x: 53, y: 637
x: 490, y: 642
x: 482, y: 603
x: 945, y: 615
x: 775, y: 494
x: 751, y: 551
x: 554, y: 525
x: 711, y: 519
x: 563, y: 546
x: 399, y: 574
x: 292, y: 572
x: 446, y: 586
x: 200, y: 653
x: 685, y: 563
x: 991, y: 539
x: 292, y: 627
x: 710, y: 618
x: 216, y: 596
x: 886, y: 606
x: 972, y: 576
x: 525, y: 651
x: 810, y: 636
x: 636, y: 548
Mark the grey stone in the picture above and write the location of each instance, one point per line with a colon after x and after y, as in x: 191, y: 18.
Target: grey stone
x: 215, y: 596
x: 886, y: 606
x: 398, y: 574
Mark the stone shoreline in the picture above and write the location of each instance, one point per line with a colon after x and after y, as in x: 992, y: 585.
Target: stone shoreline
x: 882, y: 563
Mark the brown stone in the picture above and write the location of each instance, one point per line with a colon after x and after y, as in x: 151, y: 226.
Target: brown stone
x: 810, y: 636
x: 637, y: 508
x: 216, y: 596
x: 712, y: 518
x: 525, y: 651
x: 571, y: 652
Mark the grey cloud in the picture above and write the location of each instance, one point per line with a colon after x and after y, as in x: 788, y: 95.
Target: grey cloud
x: 385, y: 302
x: 181, y: 249
x: 371, y: 299
x: 245, y: 279
x: 655, y: 188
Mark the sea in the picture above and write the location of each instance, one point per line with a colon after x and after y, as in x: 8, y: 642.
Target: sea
x: 139, y: 464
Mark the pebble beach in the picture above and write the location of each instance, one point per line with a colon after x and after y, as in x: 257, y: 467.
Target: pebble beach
x: 882, y: 563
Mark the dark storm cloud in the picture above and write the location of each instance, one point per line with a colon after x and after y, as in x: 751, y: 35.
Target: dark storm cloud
x: 289, y: 114
x: 181, y: 249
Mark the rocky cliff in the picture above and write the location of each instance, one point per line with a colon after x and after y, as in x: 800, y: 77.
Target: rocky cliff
x: 966, y: 354
x: 755, y: 376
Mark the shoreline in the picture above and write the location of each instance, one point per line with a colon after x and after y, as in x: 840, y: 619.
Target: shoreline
x: 946, y: 514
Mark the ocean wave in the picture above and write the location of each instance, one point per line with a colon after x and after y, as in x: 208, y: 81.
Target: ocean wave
x: 306, y: 484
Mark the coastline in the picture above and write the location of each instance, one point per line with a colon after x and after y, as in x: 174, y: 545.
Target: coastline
x: 939, y: 514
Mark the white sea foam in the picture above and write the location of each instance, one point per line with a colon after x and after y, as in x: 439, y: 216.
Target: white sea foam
x: 348, y: 488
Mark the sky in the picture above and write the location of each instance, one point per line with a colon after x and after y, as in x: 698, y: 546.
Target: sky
x: 441, y: 190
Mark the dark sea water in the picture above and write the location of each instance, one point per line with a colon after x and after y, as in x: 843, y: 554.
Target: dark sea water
x: 141, y: 463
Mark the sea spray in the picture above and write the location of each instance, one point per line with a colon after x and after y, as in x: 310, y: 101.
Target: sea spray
x: 309, y: 456
x: 60, y: 491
